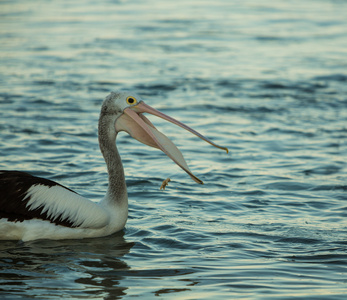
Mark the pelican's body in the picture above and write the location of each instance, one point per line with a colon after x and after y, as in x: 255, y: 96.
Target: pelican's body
x: 45, y: 209
x: 35, y: 208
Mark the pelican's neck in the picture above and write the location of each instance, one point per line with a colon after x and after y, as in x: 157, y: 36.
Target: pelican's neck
x: 117, y: 190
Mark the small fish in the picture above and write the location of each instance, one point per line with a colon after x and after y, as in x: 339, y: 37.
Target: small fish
x: 165, y: 183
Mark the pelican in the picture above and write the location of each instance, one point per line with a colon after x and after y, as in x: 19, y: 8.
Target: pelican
x: 34, y: 208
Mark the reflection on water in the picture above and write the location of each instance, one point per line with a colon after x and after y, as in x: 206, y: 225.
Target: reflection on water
x: 267, y: 80
x: 56, y: 267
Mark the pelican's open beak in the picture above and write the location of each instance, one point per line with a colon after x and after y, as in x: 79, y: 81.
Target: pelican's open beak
x: 139, y: 127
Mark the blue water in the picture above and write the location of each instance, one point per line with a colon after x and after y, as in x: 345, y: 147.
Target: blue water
x: 268, y: 79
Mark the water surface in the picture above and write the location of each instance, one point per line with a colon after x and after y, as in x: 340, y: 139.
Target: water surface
x: 266, y: 79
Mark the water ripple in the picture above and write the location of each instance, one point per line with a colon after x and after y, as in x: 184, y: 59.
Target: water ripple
x: 269, y: 222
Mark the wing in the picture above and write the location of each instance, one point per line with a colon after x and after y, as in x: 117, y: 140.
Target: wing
x: 26, y: 197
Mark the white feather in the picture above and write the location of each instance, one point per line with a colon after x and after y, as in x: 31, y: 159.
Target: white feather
x: 58, y: 201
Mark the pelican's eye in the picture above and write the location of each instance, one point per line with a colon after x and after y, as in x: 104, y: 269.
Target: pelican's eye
x: 131, y: 100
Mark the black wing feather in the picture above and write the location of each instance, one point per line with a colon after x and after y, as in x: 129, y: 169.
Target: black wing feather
x: 13, y: 189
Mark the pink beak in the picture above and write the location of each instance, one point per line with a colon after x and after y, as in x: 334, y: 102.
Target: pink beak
x: 139, y: 127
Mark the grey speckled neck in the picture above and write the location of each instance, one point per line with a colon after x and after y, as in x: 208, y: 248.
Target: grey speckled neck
x: 117, y: 190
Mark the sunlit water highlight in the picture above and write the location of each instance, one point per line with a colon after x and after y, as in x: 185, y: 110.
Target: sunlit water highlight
x: 267, y: 79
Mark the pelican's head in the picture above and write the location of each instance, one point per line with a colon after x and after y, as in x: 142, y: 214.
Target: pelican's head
x: 127, y: 109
